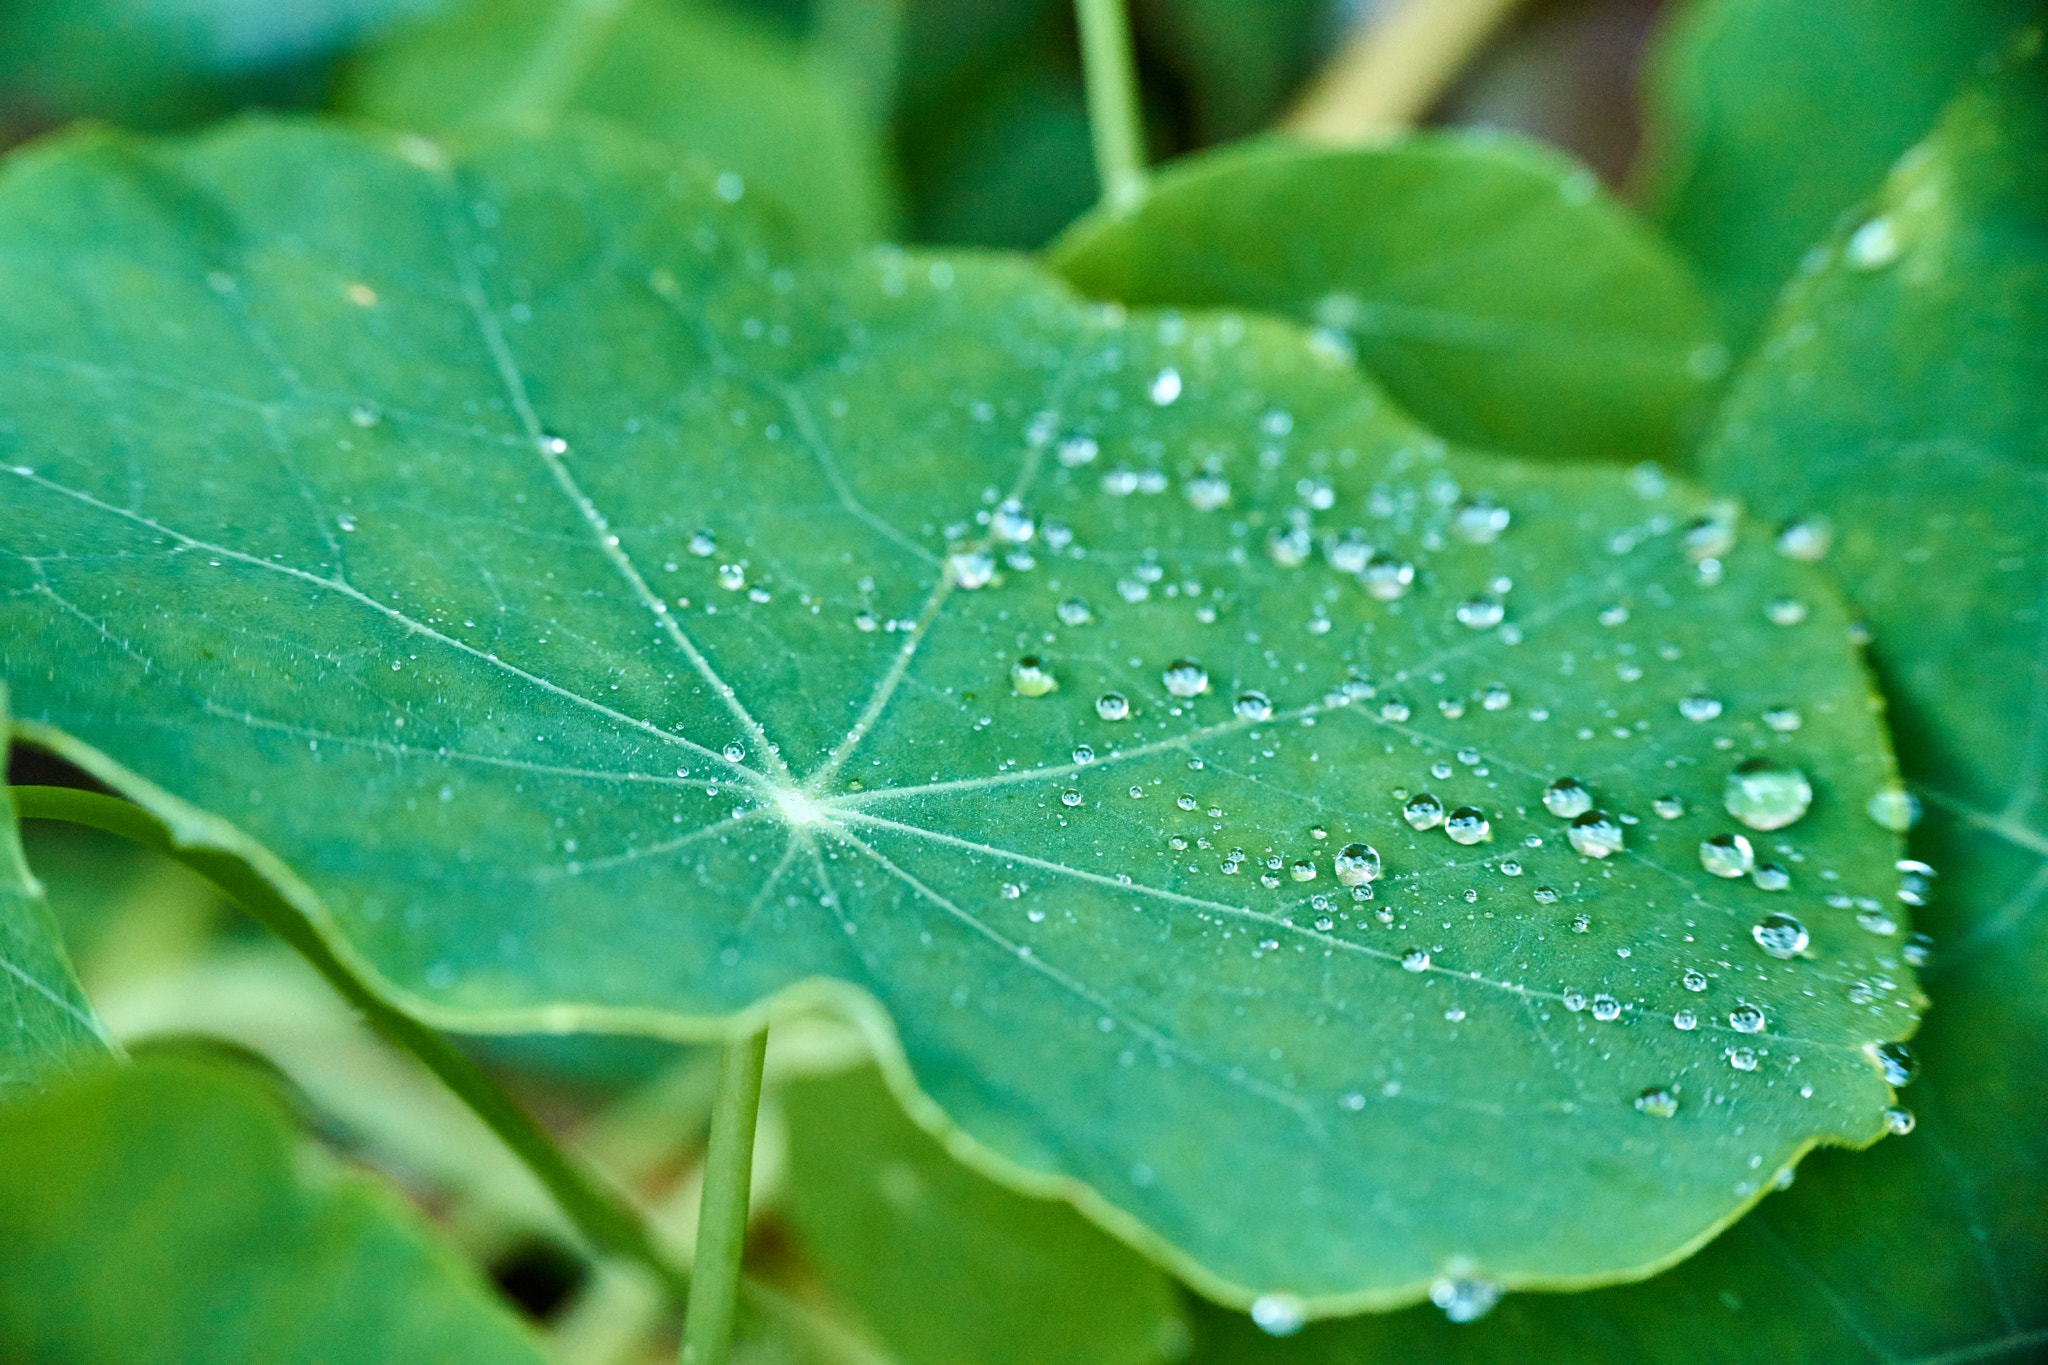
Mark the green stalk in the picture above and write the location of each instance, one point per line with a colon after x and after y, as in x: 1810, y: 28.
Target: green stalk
x: 602, y: 1216
x: 722, y: 1220
x: 1113, y: 119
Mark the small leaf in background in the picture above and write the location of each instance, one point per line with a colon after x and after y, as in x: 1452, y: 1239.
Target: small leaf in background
x: 46, y: 1026
x: 1362, y: 863
x: 745, y: 98
x: 161, y: 1214
x: 171, y: 63
x: 945, y: 1266
x: 1897, y: 396
x: 1499, y: 295
x: 1771, y: 118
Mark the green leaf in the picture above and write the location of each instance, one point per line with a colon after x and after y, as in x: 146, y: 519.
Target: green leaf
x: 1771, y: 118
x: 1487, y: 283
x: 945, y: 1266
x: 1903, y: 400
x: 162, y: 1213
x: 418, y: 446
x: 171, y: 63
x: 738, y: 94
x: 46, y: 1025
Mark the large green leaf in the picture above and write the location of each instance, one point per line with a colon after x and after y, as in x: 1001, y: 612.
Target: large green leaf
x: 1770, y: 118
x: 160, y: 1215
x: 168, y: 63
x: 946, y: 1267
x: 46, y: 1026
x: 586, y: 621
x: 1900, y: 395
x: 741, y: 96
x: 1487, y: 283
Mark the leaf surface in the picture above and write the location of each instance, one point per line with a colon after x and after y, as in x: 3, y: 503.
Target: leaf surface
x: 737, y: 94
x: 946, y: 1266
x: 1771, y: 118
x: 1903, y: 400
x: 159, y: 1215
x: 46, y: 1025
x: 586, y: 621
x: 1489, y: 284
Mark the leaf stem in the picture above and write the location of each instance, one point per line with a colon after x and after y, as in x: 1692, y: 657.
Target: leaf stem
x: 1393, y: 67
x: 722, y: 1221
x: 1113, y: 119
x: 721, y: 1224
x: 599, y: 1213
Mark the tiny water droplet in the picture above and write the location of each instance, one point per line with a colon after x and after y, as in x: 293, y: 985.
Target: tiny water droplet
x: 1895, y: 809
x: 1742, y: 1059
x: 1874, y: 245
x: 1185, y: 678
x: 1668, y: 807
x: 1112, y: 706
x: 972, y: 569
x: 1545, y: 895
x: 1771, y: 877
x: 1898, y: 1122
x: 732, y: 577
x: 1780, y: 936
x: 1479, y: 522
x: 1917, y: 949
x: 1070, y: 797
x: 1031, y: 676
x: 1483, y: 612
x: 1693, y: 981
x: 1084, y: 753
x: 1897, y: 1062
x: 1746, y: 1018
x: 1783, y: 719
x: 1699, y: 707
x: 1497, y: 698
x: 1386, y: 578
x: 735, y: 751
x: 1574, y: 1000
x: 1253, y: 706
x: 1658, y: 1102
x: 1302, y: 870
x: 1165, y: 386
x: 1415, y: 960
x: 1808, y: 538
x: 1464, y: 1300
x: 702, y: 544
x: 1076, y: 451
x: 1685, y: 1021
x: 1011, y: 524
x: 1278, y: 1315
x: 1606, y: 1008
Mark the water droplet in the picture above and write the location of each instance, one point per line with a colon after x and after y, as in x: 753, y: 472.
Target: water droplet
x: 1895, y: 809
x: 1699, y: 707
x: 1253, y: 706
x: 1877, y: 922
x: 1011, y: 524
x: 1482, y: 612
x: 1415, y: 960
x: 1615, y: 614
x: 1742, y: 1059
x: 1595, y: 834
x: 1357, y: 864
x: 1711, y: 536
x: 1031, y: 676
x: 1574, y: 1000
x: 1727, y: 855
x: 1011, y: 891
x: 365, y: 415
x: 735, y: 751
x: 1746, y: 1018
x: 1668, y: 807
x: 1606, y: 1008
x: 1479, y: 522
x: 1807, y: 538
x: 732, y: 577
x: 972, y: 569
x: 1874, y: 245
x: 1464, y: 1300
x: 1897, y: 1062
x: 1581, y: 923
x: 1302, y: 870
x: 1423, y: 811
x: 1289, y: 548
x: 1278, y: 1315
x: 1511, y: 868
x: 1387, y: 579
x: 1917, y: 949
x: 1468, y: 825
x: 1780, y: 935
x: 1076, y: 451
x: 1208, y: 492
x: 1185, y: 678
x: 1685, y: 1021
x: 1394, y: 709
x: 1693, y: 981
x: 1898, y: 1122
x: 1165, y: 386
x: 1766, y: 795
x: 1783, y: 719
x: 1658, y: 1102
x: 703, y: 544
x: 866, y: 622
x: 346, y: 521
x: 1084, y: 753
x: 1112, y: 706
x: 1785, y: 611
x: 1440, y: 770
x: 1497, y: 698
x: 1545, y: 895
x: 1771, y: 877
x: 1070, y: 797
x: 1567, y: 797
x: 1137, y: 792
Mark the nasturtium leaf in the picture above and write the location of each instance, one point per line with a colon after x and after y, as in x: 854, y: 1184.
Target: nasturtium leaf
x: 46, y: 1026
x: 1490, y: 285
x: 170, y: 63
x: 161, y: 1214
x: 947, y: 1267
x: 612, y: 627
x: 746, y: 99
x: 1771, y: 118
x: 1902, y: 399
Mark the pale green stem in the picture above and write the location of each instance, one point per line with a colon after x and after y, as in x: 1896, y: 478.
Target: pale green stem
x: 1113, y: 119
x: 605, y: 1220
x: 722, y: 1221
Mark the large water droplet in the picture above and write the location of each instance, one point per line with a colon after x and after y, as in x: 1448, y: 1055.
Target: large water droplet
x: 1727, y: 855
x: 1685, y: 1021
x: 1780, y: 935
x: 1898, y: 1122
x: 1897, y: 1062
x: 1112, y: 706
x: 1468, y: 825
x: 1567, y: 797
x: 1415, y: 960
x: 1606, y: 1008
x: 1357, y: 864
x: 1423, y: 811
x: 1253, y: 706
x: 1766, y: 795
x: 1031, y: 676
x: 735, y: 751
x: 1185, y: 678
x: 1693, y: 981
x: 1595, y: 834
x: 1746, y: 1018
